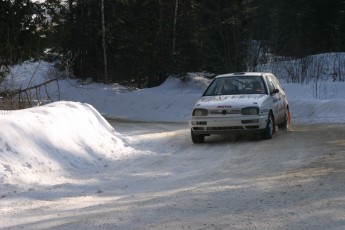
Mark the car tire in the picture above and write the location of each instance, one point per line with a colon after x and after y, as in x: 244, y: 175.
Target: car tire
x: 285, y: 124
x: 197, y: 138
x: 268, y: 132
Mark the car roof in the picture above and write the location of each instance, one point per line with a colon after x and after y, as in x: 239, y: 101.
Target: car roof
x: 247, y: 74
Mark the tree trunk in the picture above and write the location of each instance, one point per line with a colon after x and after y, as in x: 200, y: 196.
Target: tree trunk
x: 104, y: 45
x: 174, y: 28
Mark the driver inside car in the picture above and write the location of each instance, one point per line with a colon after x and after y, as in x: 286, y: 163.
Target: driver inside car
x: 257, y: 87
x: 229, y: 88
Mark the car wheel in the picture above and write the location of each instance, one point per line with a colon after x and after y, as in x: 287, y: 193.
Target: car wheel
x: 197, y: 138
x: 285, y: 124
x: 268, y: 132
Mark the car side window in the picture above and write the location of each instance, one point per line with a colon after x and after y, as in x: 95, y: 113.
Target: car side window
x: 276, y: 82
x: 270, y: 84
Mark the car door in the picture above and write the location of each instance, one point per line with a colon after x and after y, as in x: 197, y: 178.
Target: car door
x: 277, y: 102
x: 282, y: 98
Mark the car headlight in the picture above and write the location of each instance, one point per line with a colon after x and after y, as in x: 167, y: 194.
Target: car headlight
x: 250, y: 111
x: 199, y: 112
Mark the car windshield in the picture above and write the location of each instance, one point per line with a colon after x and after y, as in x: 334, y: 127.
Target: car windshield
x: 236, y: 85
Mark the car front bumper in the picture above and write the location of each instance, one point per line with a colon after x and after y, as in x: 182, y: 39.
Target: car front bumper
x: 228, y: 125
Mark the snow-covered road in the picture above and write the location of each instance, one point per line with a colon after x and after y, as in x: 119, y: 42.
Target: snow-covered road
x: 294, y: 181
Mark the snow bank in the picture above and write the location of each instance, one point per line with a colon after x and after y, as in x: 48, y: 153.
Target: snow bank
x: 173, y: 100
x: 41, y: 144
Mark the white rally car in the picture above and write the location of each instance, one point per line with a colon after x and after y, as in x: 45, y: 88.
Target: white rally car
x: 239, y: 103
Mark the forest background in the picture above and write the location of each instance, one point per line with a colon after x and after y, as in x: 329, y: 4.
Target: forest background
x: 142, y: 42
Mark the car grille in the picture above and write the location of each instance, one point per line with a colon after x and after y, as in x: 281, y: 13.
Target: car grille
x: 225, y: 111
x: 224, y: 128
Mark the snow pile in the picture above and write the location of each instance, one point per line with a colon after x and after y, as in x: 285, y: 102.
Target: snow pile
x: 311, y: 106
x: 43, y: 145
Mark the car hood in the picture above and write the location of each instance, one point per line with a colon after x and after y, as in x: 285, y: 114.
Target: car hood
x: 231, y: 101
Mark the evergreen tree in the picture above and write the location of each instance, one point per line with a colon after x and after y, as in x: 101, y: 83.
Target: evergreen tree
x: 225, y: 25
x: 21, y: 35
x: 143, y: 41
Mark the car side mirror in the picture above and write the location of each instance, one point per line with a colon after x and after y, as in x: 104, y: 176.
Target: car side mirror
x: 275, y: 91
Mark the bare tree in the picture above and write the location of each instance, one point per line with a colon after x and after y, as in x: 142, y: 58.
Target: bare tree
x: 30, y: 95
x: 256, y: 54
